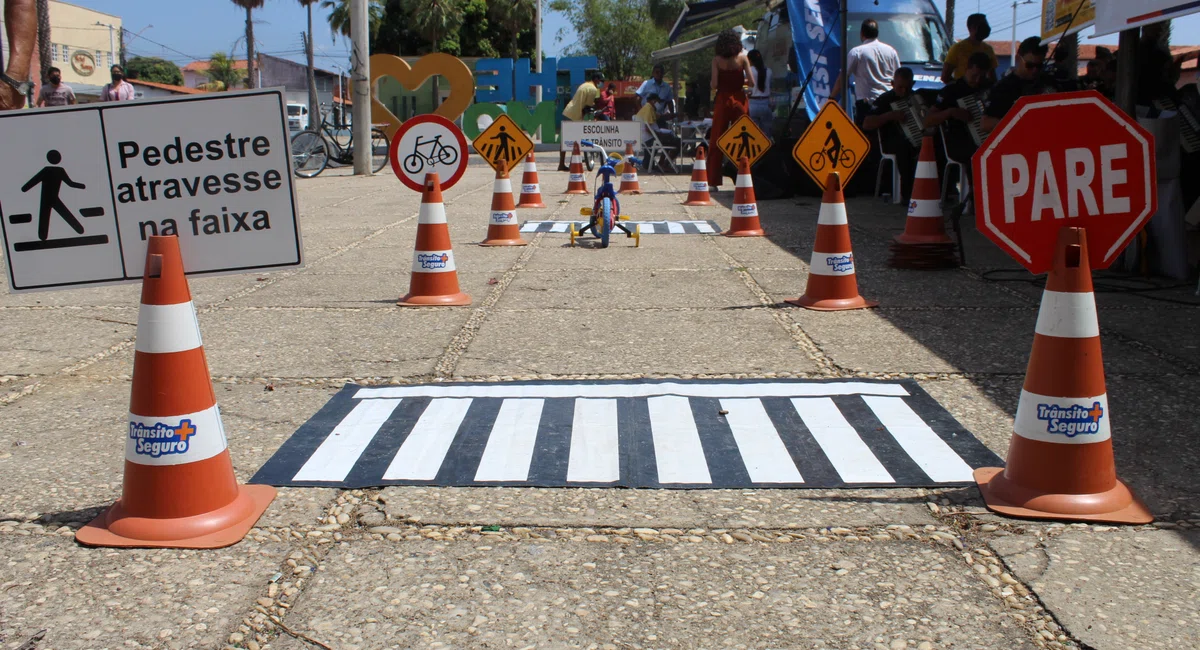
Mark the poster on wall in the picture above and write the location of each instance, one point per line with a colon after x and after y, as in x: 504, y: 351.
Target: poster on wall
x: 1065, y: 17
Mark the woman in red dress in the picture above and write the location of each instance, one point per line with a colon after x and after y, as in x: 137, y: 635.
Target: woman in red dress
x: 730, y: 77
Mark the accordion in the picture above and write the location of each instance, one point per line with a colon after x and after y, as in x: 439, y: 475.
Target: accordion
x: 973, y: 104
x: 913, y: 124
x: 1189, y: 127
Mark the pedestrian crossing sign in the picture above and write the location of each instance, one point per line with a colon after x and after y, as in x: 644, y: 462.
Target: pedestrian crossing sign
x: 503, y: 140
x: 832, y: 143
x: 743, y: 139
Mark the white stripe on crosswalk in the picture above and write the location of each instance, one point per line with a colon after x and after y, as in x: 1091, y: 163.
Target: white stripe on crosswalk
x: 920, y: 442
x: 509, y: 450
x: 530, y: 226
x: 421, y: 455
x: 674, y: 228
x: 634, y: 390
x: 560, y: 226
x: 595, y: 457
x: 847, y: 452
x: 766, y: 458
x: 703, y: 226
x: 646, y: 228
x: 677, y: 448
x: 334, y: 459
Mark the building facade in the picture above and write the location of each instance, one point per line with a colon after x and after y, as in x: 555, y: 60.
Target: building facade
x: 84, y: 44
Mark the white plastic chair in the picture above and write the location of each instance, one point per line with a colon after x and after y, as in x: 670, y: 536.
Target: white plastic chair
x: 654, y: 148
x: 959, y: 167
x: 891, y: 159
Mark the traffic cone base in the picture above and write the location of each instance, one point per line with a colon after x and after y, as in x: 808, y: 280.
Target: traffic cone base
x: 743, y: 220
x: 434, y: 274
x: 179, y: 489
x: 576, y: 183
x: 1060, y: 458
x: 531, y: 188
x: 832, y: 282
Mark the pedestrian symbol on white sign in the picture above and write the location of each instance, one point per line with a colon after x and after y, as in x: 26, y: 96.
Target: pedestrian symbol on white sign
x: 51, y: 179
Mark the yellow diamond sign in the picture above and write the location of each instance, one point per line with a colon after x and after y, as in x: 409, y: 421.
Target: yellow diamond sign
x: 503, y: 141
x: 743, y: 139
x: 832, y: 143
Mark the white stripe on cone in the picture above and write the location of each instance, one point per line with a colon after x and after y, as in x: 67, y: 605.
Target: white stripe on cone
x: 1068, y: 315
x: 1063, y: 420
x: 502, y: 186
x: 744, y: 180
x: 831, y: 263
x: 504, y: 217
x: 576, y: 159
x: 432, y: 213
x: 923, y: 208
x: 163, y: 329
x: 745, y: 209
x: 433, y: 262
x: 531, y: 189
x: 926, y: 169
x: 701, y: 165
x: 832, y: 214
x: 175, y: 439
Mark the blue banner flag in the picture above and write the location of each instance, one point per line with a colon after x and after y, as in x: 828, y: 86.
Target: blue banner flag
x: 816, y: 36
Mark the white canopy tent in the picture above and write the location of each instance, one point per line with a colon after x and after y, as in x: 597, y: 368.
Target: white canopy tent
x: 688, y: 47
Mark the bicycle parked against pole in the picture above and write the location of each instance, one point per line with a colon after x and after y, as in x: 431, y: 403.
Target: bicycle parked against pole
x: 605, y: 213
x: 313, y: 148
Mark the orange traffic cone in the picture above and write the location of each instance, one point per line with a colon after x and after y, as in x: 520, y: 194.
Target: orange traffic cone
x: 531, y: 188
x: 629, y: 179
x: 502, y: 226
x: 1060, y: 460
x: 179, y: 489
x: 924, y: 224
x: 832, y: 285
x: 575, y: 181
x: 698, y: 190
x: 434, y: 276
x: 744, y: 221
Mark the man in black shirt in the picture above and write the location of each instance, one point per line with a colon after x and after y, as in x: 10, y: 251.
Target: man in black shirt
x: 889, y: 122
x: 1026, y: 78
x: 957, y: 119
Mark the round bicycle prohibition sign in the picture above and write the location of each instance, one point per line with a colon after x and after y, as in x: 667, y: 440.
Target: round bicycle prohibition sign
x: 428, y: 144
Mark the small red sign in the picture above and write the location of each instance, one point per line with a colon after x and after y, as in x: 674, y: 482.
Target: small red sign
x: 1064, y: 160
x: 428, y: 143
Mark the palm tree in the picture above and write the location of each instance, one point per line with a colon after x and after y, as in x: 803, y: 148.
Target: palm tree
x: 433, y: 20
x: 222, y: 72
x: 950, y: 20
x: 514, y: 14
x: 339, y: 16
x: 249, y: 5
x: 313, y: 108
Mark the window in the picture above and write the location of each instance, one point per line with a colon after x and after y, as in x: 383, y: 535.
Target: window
x: 53, y: 52
x: 110, y: 59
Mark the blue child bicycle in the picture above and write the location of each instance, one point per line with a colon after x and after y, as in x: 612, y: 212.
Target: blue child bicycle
x: 605, y: 213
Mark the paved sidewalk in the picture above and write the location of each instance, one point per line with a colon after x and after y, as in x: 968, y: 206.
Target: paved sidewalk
x: 593, y: 568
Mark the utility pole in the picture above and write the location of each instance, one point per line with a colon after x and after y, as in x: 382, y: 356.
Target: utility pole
x: 360, y: 76
x: 1012, y: 56
x: 112, y: 43
x: 537, y: 50
x: 845, y: 55
x: 1126, y: 95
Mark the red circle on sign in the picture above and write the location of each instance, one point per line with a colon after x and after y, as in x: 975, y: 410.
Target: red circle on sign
x: 1064, y: 160
x: 418, y: 121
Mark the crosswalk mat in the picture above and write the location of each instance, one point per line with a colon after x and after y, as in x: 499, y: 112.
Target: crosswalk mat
x: 642, y: 434
x: 645, y: 227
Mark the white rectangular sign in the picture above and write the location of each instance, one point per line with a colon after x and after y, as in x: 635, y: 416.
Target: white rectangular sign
x: 83, y: 187
x: 1113, y: 16
x: 610, y: 135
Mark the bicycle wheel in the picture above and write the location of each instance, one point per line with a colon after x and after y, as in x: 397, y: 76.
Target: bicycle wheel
x: 589, y: 159
x: 379, y: 149
x: 414, y: 163
x: 604, y: 226
x: 847, y: 158
x: 817, y: 161
x: 310, y: 154
x: 447, y: 156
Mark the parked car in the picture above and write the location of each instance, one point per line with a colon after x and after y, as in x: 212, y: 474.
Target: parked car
x: 297, y: 117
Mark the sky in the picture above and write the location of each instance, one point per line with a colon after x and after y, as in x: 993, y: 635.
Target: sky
x: 187, y: 31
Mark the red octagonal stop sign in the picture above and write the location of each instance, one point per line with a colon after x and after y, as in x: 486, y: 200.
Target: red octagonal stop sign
x: 1070, y: 159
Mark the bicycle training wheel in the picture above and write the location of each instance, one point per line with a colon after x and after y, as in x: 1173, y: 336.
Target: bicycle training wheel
x: 310, y: 154
x: 379, y: 149
x: 604, y: 227
x: 589, y: 159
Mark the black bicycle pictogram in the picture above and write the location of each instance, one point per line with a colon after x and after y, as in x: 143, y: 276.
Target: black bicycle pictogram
x: 436, y: 154
x: 833, y: 152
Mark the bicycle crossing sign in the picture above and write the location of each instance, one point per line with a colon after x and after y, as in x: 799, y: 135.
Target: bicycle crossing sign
x: 428, y: 143
x: 503, y: 144
x: 832, y: 143
x: 743, y: 139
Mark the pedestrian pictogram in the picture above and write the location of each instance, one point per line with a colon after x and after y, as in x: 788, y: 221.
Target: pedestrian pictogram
x: 52, y: 178
x: 1066, y: 160
x: 428, y: 144
x: 832, y: 143
x: 743, y: 139
x: 503, y: 144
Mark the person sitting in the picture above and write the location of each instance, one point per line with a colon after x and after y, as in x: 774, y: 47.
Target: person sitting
x: 888, y: 121
x: 957, y: 119
x: 1026, y: 78
x: 648, y: 116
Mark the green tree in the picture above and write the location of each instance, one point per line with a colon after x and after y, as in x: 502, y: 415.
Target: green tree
x: 249, y: 6
x: 621, y: 34
x: 149, y: 68
x: 512, y: 14
x: 435, y: 20
x: 339, y: 16
x: 222, y: 72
